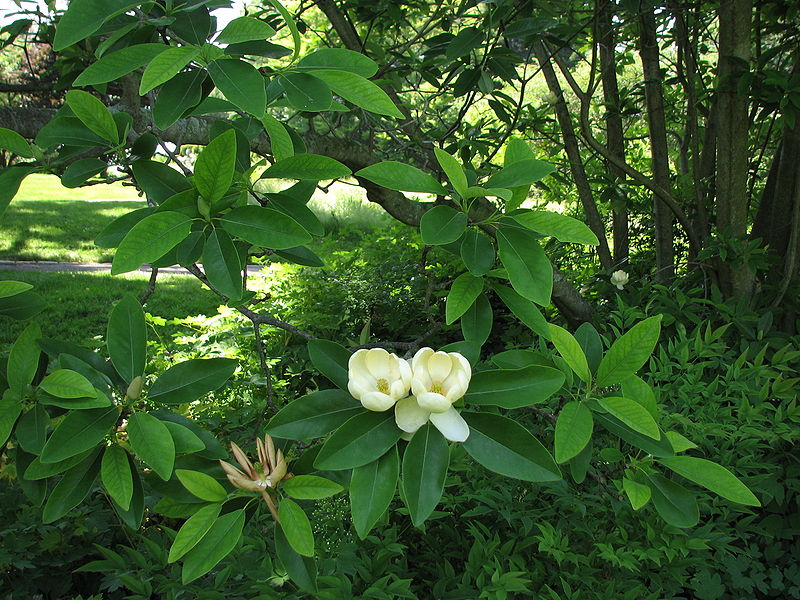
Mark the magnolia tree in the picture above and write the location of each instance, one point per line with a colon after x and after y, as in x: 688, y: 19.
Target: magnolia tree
x: 77, y: 420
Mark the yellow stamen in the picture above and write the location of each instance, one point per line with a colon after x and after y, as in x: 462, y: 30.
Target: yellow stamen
x: 383, y: 386
x: 436, y: 388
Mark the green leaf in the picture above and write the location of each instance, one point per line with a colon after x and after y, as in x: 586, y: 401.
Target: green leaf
x: 79, y: 431
x: 10, y: 409
x: 194, y: 25
x: 465, y: 290
x: 23, y: 360
x: 467, y: 40
x: 520, y: 173
x: 298, y: 211
x: 296, y: 527
x: 711, y: 476
x: 13, y: 142
x: 633, y: 414
x: 98, y: 399
x: 78, y: 172
x: 679, y: 442
x: 73, y: 487
x: 425, y: 463
x: 506, y: 447
x: 476, y: 323
x: 241, y: 84
x: 84, y: 17
x: 126, y: 338
x: 529, y: 271
x: 302, y: 569
x: 115, y: 473
x: 307, y: 166
x: 360, y: 91
x: 310, y: 487
x: 314, y: 415
x: 201, y: 485
x: 330, y: 359
x: 166, y: 65
x: 264, y: 227
x: 339, y: 59
x: 186, y: 442
x: 222, y: 264
x: 638, y: 493
x: 158, y: 181
x: 116, y: 64
x: 477, y: 252
x: 659, y: 447
x: 213, y: 171
x: 10, y: 180
x: 189, y: 380
x: 371, y: 490
x: 571, y: 351
x: 629, y: 352
x: 442, y: 225
x: 31, y: 431
x: 10, y: 288
x: 573, y: 431
x: 150, y: 239
x: 93, y: 114
x: 244, y: 29
x: 306, y: 92
x: 178, y: 95
x: 514, y: 388
x: 39, y: 470
x: 561, y: 227
x: 64, y: 383
x: 193, y: 531
x: 360, y: 440
x: 592, y: 346
x: 676, y: 505
x: 635, y: 388
x: 215, y: 545
x: 279, y: 138
x: 399, y: 176
x: 525, y: 310
x: 454, y: 171
x: 152, y: 442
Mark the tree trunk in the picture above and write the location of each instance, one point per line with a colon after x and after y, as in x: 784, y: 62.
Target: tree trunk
x: 656, y: 122
x: 733, y: 140
x: 615, y: 138
x: 574, y: 156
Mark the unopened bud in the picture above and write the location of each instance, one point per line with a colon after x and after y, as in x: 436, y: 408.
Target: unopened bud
x: 135, y: 388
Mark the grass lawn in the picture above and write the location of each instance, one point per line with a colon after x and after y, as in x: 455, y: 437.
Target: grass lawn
x: 79, y: 303
x: 48, y: 187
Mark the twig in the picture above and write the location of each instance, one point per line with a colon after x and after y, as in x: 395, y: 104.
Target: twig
x: 151, y: 286
x: 264, y: 367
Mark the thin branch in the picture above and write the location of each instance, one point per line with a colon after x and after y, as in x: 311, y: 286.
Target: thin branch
x: 151, y: 286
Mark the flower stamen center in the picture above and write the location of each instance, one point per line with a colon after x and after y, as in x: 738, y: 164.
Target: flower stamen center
x: 437, y: 388
x: 383, y: 386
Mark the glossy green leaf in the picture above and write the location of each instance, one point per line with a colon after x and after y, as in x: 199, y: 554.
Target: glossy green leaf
x: 339, y: 59
x: 476, y: 323
x: 222, y: 264
x: 296, y: 527
x: 514, y: 388
x: 711, y: 476
x: 23, y: 360
x: 115, y: 473
x: 116, y: 64
x: 215, y: 545
x: 425, y: 463
x: 307, y: 166
x: 467, y: 40
x: 79, y: 431
x: 10, y: 409
x: 306, y: 92
x: 629, y: 352
x: 201, y: 485
x: 150, y: 239
x: 126, y: 338
x: 193, y: 530
x: 158, y: 181
x: 399, y: 176
x: 659, y: 447
x: 31, y: 430
x: 520, y: 173
x: 301, y: 569
x: 442, y: 225
x: 84, y: 17
x: 571, y: 351
x: 477, y: 252
x: 676, y: 505
x: 264, y: 227
x: 152, y: 442
x: 189, y: 380
x: 453, y: 170
x: 186, y: 441
x: 463, y: 293
x: 591, y: 344
x: 10, y: 180
x: 78, y: 172
x: 93, y: 114
x: 39, y: 470
x: 632, y: 414
x: 166, y: 65
x: 360, y: 91
x: 10, y: 288
x: 529, y: 270
x: 638, y: 493
x: 115, y: 232
x: 679, y: 442
x: 64, y: 383
x: 525, y: 310
x: 241, y: 84
x: 244, y: 29
x: 330, y: 359
x: 314, y: 415
x: 360, y: 440
x: 573, y: 430
x: 506, y: 447
x: 73, y: 487
x: 372, y: 488
x: 561, y: 227
x: 213, y: 171
x: 13, y: 142
x: 279, y: 138
x: 177, y: 96
x: 635, y: 388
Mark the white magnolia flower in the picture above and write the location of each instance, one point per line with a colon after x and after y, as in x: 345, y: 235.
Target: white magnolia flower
x: 410, y: 416
x: 619, y: 279
x: 378, y: 379
x: 439, y: 379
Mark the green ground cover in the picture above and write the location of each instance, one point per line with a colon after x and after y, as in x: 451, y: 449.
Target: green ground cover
x: 48, y: 187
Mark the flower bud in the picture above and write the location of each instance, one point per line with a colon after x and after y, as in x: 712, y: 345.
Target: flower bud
x: 135, y: 388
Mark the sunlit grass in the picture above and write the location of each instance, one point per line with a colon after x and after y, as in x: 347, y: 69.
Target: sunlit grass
x: 48, y: 187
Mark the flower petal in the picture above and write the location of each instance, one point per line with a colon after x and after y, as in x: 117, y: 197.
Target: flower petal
x: 451, y: 424
x: 466, y: 368
x: 377, y: 401
x: 421, y: 383
x: 435, y: 403
x: 397, y: 389
x: 405, y: 372
x: 439, y: 366
x: 409, y: 416
x: 378, y: 361
x: 420, y: 358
